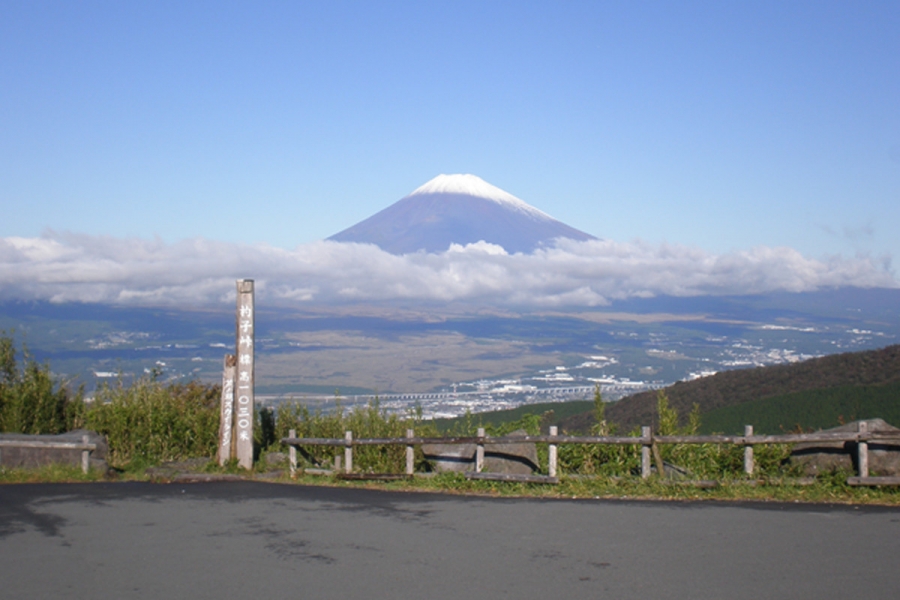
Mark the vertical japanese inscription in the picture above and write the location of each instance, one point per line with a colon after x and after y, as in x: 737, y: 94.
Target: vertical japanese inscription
x: 243, y: 418
x: 226, y: 416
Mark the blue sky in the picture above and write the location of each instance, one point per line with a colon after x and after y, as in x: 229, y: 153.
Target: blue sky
x: 720, y: 126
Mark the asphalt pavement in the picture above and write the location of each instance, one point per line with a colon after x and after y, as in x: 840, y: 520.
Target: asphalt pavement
x: 269, y: 541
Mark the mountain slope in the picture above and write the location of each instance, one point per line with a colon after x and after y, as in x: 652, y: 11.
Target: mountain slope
x: 730, y: 388
x: 458, y: 209
x: 812, y: 409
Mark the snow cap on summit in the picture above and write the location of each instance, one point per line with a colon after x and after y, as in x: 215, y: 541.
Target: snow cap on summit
x: 461, y: 210
x: 472, y: 185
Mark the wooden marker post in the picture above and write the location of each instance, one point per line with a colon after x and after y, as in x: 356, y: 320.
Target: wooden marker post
x: 226, y: 411
x: 245, y: 401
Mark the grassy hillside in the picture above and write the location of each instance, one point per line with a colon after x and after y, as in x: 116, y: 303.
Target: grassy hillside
x: 733, y: 388
x: 815, y: 409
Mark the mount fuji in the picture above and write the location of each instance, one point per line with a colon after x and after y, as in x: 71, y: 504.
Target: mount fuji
x: 458, y: 209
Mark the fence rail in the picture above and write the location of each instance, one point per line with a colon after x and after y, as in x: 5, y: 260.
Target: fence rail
x: 648, y: 442
x: 84, y: 445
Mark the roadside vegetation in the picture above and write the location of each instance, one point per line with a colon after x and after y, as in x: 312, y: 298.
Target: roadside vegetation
x: 32, y: 400
x: 149, y: 422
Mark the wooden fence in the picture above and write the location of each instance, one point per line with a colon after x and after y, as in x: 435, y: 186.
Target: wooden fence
x: 85, y: 446
x: 648, y: 442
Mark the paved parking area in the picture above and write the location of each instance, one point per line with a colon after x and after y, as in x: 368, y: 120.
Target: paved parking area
x: 258, y: 540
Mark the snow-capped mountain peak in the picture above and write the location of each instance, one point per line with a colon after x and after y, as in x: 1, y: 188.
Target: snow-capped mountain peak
x: 459, y: 210
x: 472, y: 185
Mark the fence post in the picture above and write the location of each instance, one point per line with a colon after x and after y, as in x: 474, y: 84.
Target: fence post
x: 410, y: 453
x: 85, y: 455
x: 748, y: 451
x: 863, y: 450
x: 292, y: 453
x: 552, y: 453
x: 646, y: 441
x: 479, y: 451
x: 348, y: 451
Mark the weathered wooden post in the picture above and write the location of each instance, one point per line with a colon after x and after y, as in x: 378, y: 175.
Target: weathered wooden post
x: 85, y: 455
x: 552, y: 459
x: 226, y: 411
x: 862, y: 447
x: 410, y: 453
x: 646, y: 441
x: 292, y: 453
x: 245, y: 398
x: 348, y: 452
x: 748, y: 451
x: 479, y: 451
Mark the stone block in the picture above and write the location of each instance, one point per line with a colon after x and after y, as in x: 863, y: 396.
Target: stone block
x: 29, y: 458
x: 516, y: 458
x: 827, y: 457
x: 446, y: 458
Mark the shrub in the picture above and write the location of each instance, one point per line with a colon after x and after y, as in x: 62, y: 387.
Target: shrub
x: 600, y: 459
x: 32, y: 401
x: 150, y: 422
x: 370, y: 421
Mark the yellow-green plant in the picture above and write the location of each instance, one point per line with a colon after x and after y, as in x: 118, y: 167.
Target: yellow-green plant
x: 712, y: 460
x: 148, y: 421
x: 370, y: 421
x: 599, y: 459
x: 32, y: 400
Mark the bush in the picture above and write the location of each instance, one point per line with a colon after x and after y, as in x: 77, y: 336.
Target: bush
x: 369, y: 421
x: 600, y: 459
x: 150, y: 422
x: 32, y: 401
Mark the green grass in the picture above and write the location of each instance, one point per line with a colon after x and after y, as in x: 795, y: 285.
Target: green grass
x: 811, y: 410
x: 56, y: 473
x: 828, y: 489
x: 831, y: 489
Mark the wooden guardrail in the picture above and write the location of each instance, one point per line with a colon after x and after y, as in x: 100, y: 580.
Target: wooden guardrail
x: 85, y: 446
x: 647, y: 440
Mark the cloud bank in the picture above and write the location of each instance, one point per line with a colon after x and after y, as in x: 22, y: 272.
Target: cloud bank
x: 66, y: 267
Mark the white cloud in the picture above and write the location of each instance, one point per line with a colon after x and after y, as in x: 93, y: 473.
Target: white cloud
x: 70, y: 267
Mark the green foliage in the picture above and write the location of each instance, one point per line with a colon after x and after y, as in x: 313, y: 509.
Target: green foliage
x: 32, y: 401
x: 370, y: 421
x: 714, y: 461
x: 600, y: 426
x: 150, y: 422
x: 599, y: 459
x: 264, y: 431
x: 810, y: 410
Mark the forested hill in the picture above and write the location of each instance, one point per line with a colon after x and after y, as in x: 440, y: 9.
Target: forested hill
x: 729, y: 388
